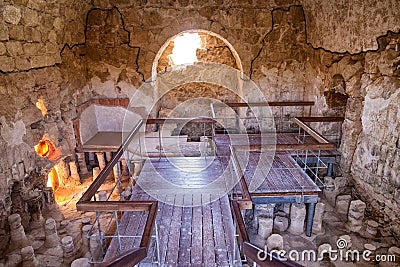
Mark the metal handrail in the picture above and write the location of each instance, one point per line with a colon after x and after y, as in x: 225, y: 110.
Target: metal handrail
x: 250, y: 250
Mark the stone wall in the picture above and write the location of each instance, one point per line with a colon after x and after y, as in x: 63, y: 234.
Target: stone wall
x: 32, y: 32
x: 351, y: 26
x: 375, y: 167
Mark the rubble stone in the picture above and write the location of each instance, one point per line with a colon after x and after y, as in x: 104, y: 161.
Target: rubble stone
x: 11, y: 14
x: 356, y: 215
x: 274, y: 242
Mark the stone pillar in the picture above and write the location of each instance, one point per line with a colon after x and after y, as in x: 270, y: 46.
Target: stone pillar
x: 116, y: 172
x: 108, y: 156
x: 297, y: 217
x: 81, y: 262
x: 265, y: 226
x: 324, y: 251
x: 67, y: 244
x: 264, y: 210
x: 34, y: 201
x: 82, y: 163
x: 102, y: 196
x: 127, y: 193
x: 63, y: 227
x: 86, y: 221
x: 101, y: 160
x: 49, y: 197
x: 372, y: 227
x: 73, y: 169
x: 334, y: 188
x: 95, y: 248
x: 124, y: 167
x: 85, y: 240
x: 18, y: 237
x: 281, y: 223
x: 96, y: 172
x: 275, y: 241
x: 318, y: 216
x: 342, y: 204
x: 371, y: 248
x: 50, y: 228
x: 347, y: 241
x: 356, y: 215
x: 28, y: 257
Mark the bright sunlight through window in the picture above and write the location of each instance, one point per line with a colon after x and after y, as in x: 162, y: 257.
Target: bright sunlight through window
x: 184, y: 51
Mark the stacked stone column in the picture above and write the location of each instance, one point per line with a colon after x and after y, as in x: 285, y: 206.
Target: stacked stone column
x: 17, y: 232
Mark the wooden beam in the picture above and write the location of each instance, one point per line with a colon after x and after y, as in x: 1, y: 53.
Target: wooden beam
x: 285, y: 147
x: 146, y: 237
x: 321, y: 119
x: 180, y: 120
x: 311, y: 131
x: 114, y: 205
x: 237, y: 216
x: 264, y: 104
x: 242, y: 181
x: 128, y: 258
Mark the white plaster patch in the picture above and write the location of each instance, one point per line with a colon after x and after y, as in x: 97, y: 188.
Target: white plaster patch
x: 106, y: 89
x: 13, y: 134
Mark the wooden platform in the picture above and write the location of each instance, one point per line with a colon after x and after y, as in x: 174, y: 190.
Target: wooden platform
x: 193, y: 229
x: 202, y: 235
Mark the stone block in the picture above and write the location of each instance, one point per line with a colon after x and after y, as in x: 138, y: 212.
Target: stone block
x: 52, y: 240
x: 39, y: 61
x: 281, y: 223
x: 342, y: 204
x: 81, y: 262
x: 22, y: 64
x: 28, y: 257
x: 318, y: 217
x: 7, y: 64
x: 263, y: 210
x: 297, y: 217
x: 95, y: 248
x: 265, y: 226
x: 16, y: 32
x: 17, y: 232
x: 3, y: 49
x: 4, y: 33
x: 11, y: 14
x: 372, y: 227
x: 274, y: 241
x: 356, y: 215
x: 31, y: 17
x: 14, y: 48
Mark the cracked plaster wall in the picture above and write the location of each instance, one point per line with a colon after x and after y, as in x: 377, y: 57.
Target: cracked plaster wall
x: 68, y: 52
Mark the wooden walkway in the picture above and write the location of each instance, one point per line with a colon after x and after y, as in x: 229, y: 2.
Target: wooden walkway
x: 193, y: 230
x: 194, y: 221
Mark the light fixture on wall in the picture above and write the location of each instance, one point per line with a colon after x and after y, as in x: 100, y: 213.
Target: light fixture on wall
x: 46, y: 149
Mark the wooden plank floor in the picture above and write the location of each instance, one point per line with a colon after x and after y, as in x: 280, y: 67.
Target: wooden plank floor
x: 193, y: 229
